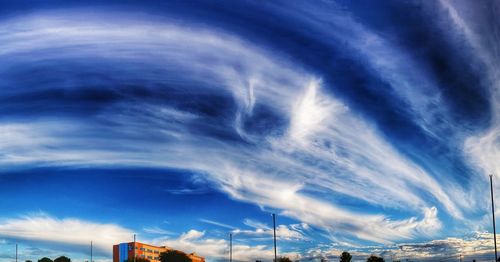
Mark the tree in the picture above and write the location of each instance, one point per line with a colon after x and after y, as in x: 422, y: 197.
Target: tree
x: 374, y: 258
x: 174, y: 256
x: 284, y: 259
x: 45, y: 259
x: 345, y: 257
x: 62, y: 259
x: 137, y: 259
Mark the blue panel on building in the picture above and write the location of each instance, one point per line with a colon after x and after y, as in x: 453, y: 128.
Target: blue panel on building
x: 123, y: 252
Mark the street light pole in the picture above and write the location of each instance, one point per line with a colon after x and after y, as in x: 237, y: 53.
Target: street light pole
x: 134, y: 248
x: 91, y: 254
x: 16, y: 252
x: 493, y: 213
x: 230, y: 247
x: 274, y: 227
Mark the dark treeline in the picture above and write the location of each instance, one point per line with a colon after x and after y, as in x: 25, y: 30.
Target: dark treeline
x: 59, y: 259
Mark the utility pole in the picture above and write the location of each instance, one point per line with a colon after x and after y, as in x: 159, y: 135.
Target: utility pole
x: 230, y: 247
x: 274, y: 227
x: 493, y: 213
x: 91, y: 254
x: 134, y: 248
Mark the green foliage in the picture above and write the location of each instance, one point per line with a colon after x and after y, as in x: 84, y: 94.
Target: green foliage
x: 373, y: 258
x: 62, y: 259
x: 174, y: 256
x: 345, y: 257
x: 45, y: 259
x: 284, y: 259
x: 28, y: 261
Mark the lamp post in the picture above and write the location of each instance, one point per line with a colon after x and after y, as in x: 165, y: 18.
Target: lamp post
x: 16, y: 252
x: 493, y: 213
x: 274, y: 228
x: 230, y: 247
x: 91, y: 254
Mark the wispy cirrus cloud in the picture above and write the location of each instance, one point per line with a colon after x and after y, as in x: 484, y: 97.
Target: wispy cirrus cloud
x: 277, y: 138
x: 219, y: 224
x: 283, y: 232
x: 157, y: 230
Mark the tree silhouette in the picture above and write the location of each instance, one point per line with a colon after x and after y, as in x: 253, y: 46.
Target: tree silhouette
x: 45, y: 259
x: 345, y: 257
x: 283, y: 259
x: 373, y: 258
x: 174, y: 256
x: 62, y: 259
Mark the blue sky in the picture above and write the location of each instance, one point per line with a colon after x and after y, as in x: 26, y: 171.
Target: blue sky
x: 365, y: 126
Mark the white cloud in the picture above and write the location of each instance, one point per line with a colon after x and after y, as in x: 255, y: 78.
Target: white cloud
x: 478, y: 246
x: 217, y: 249
x: 255, y: 224
x: 208, y: 221
x: 191, y: 235
x: 310, y: 111
x: 67, y: 231
x: 282, y: 232
x: 157, y: 230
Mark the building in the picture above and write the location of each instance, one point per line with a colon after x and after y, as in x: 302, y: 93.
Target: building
x: 123, y: 251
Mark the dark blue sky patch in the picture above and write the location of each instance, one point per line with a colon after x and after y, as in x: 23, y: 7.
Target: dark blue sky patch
x: 265, y: 121
x: 417, y: 30
x: 83, y: 192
